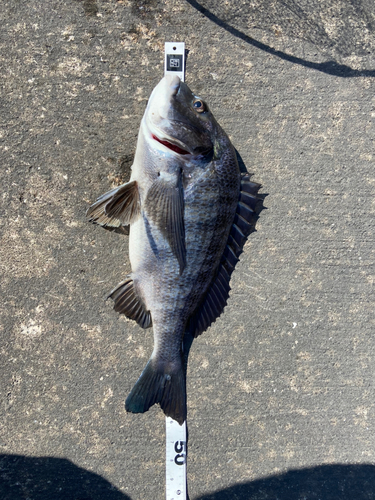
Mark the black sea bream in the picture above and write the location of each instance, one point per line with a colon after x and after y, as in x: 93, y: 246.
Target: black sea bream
x: 190, y: 210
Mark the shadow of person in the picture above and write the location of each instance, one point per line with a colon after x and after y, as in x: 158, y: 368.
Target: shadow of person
x: 324, y: 482
x: 48, y: 478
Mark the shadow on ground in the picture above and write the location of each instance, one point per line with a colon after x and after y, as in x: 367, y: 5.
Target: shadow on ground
x: 301, y: 22
x: 47, y: 478
x: 325, y: 482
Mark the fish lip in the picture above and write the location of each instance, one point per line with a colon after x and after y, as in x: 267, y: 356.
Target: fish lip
x: 160, y: 137
x: 171, y: 146
x: 186, y: 152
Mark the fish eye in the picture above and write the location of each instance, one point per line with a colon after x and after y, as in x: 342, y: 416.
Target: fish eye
x: 199, y: 106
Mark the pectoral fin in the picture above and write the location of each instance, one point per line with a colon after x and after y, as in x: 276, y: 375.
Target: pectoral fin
x: 118, y: 207
x: 165, y: 208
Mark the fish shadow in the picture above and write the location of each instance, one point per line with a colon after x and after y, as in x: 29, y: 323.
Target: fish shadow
x: 124, y: 230
x: 47, y: 478
x: 323, y: 482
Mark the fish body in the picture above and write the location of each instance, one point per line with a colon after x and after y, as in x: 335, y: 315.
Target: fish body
x: 189, y: 211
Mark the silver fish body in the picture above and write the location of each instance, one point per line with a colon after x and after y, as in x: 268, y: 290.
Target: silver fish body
x: 189, y: 211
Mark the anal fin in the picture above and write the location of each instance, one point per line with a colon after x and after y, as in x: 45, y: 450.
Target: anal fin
x: 129, y: 303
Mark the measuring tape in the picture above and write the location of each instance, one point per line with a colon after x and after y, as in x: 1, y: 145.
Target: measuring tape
x: 174, y: 59
x: 176, y: 443
x: 176, y: 452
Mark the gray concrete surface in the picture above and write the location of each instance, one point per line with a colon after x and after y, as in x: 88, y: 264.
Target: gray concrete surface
x: 281, y: 388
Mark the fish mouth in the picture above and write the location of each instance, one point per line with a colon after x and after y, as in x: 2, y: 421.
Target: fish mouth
x: 176, y: 148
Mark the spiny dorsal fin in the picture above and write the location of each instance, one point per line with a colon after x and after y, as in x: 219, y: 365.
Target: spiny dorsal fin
x: 218, y: 292
x: 164, y: 206
x: 127, y: 302
x: 118, y: 207
x: 249, y: 191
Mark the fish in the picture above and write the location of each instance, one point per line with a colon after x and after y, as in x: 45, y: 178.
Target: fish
x: 190, y: 210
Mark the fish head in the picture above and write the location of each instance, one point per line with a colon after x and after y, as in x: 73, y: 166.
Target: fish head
x: 178, y: 120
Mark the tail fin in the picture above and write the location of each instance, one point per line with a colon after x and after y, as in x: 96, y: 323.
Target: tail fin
x: 160, y: 382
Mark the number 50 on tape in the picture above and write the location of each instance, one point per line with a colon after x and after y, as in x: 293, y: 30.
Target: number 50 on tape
x: 176, y: 452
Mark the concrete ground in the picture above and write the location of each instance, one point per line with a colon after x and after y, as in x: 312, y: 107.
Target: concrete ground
x: 281, y: 393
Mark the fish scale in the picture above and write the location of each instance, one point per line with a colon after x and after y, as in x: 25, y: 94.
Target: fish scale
x: 189, y: 211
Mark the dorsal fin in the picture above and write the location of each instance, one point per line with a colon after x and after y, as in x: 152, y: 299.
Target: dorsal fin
x: 218, y: 292
x: 118, y: 207
x: 129, y: 303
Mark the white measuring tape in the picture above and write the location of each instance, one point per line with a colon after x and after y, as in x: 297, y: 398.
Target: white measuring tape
x: 174, y: 59
x: 176, y: 442
x: 176, y: 452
